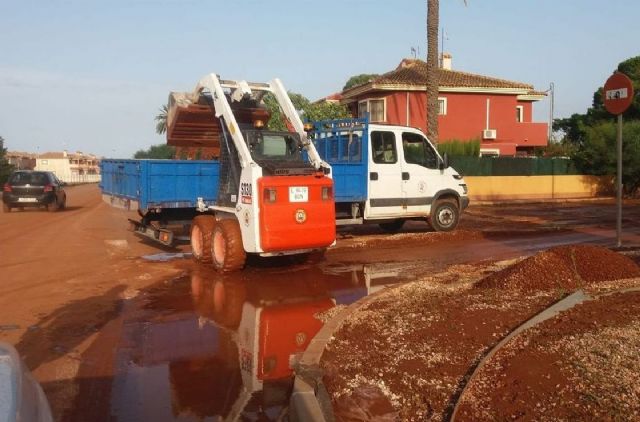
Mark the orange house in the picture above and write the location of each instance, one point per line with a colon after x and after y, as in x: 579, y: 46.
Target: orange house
x: 498, y: 112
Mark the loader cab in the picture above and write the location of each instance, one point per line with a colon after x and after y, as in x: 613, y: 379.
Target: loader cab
x: 278, y: 153
x: 273, y: 146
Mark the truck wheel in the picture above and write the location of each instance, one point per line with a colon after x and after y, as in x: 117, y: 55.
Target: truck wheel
x: 444, y: 215
x: 226, y: 247
x: 393, y: 226
x: 201, y: 231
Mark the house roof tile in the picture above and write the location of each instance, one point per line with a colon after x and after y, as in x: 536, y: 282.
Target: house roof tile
x: 413, y: 72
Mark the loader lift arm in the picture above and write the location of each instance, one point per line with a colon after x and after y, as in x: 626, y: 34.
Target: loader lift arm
x: 215, y: 87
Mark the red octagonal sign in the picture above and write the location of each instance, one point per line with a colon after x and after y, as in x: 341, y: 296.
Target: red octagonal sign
x: 618, y: 93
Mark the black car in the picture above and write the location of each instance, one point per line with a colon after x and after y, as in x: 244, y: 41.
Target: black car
x: 27, y: 188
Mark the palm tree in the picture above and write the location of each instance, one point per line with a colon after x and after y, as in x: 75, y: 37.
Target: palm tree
x: 161, y: 120
x: 433, y: 69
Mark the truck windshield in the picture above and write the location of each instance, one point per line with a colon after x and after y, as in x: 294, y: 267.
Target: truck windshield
x: 276, y: 146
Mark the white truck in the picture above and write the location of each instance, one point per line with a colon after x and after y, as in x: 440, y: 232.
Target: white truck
x: 389, y: 174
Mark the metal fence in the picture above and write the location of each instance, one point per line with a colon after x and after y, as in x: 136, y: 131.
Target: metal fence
x: 510, y: 166
x: 80, y: 178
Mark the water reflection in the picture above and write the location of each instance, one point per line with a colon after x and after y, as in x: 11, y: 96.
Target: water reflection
x: 212, y: 347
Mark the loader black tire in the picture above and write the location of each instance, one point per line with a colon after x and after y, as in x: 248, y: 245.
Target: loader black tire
x: 202, y: 228
x: 445, y: 215
x: 227, y: 251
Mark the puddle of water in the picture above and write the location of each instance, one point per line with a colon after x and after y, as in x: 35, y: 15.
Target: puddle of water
x: 166, y: 256
x: 222, y: 347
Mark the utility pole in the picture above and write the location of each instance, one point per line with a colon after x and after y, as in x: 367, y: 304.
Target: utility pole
x: 552, y: 92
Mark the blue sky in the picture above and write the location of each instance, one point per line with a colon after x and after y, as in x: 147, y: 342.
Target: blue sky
x: 90, y: 75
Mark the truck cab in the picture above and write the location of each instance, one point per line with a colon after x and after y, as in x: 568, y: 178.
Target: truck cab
x: 389, y: 174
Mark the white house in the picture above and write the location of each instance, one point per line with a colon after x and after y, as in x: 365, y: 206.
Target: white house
x: 70, y: 167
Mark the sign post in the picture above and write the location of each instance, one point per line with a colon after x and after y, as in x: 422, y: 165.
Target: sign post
x: 618, y: 96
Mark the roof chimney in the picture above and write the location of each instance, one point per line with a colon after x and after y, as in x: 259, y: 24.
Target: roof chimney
x: 446, y: 61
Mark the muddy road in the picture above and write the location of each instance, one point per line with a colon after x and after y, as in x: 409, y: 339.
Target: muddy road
x: 114, y: 336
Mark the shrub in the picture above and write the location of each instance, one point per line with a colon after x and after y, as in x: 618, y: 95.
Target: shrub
x: 458, y: 147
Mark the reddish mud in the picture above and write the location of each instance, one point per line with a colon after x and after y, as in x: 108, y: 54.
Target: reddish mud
x: 72, y: 284
x: 564, y: 267
x: 414, y: 346
x: 581, y: 365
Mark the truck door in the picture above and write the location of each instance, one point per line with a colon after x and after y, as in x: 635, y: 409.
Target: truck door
x: 421, y: 176
x: 385, y: 184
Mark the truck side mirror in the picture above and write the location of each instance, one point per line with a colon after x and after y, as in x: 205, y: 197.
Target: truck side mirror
x: 444, y: 164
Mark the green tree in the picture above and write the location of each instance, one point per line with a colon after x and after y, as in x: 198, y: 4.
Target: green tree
x: 161, y: 120
x: 311, y: 111
x: 597, y: 154
x: 360, y: 79
x: 592, y: 135
x: 574, y: 127
x: 5, y: 167
x: 160, y: 151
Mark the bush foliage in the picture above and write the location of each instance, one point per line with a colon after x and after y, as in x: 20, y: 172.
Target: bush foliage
x: 160, y: 151
x: 456, y: 147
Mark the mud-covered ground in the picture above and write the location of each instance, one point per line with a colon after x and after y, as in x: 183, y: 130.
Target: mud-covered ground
x: 69, y: 280
x: 410, y: 353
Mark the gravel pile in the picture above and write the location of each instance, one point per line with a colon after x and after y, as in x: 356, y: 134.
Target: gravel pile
x: 563, y: 267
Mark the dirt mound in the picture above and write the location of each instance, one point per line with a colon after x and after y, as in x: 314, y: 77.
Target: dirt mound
x: 564, y: 267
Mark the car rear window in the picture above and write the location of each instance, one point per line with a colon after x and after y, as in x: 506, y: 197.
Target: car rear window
x: 37, y: 179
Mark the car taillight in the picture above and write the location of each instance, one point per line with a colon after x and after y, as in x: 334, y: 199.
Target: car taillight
x: 7, y: 187
x: 270, y: 195
x: 48, y: 188
x: 327, y: 193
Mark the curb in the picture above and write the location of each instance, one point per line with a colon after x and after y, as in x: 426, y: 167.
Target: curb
x: 533, y: 201
x: 576, y: 298
x: 310, y: 400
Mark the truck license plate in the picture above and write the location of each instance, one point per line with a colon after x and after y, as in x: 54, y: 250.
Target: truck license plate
x: 298, y: 194
x: 27, y: 200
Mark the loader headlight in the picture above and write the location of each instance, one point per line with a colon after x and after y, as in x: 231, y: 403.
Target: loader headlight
x: 270, y: 195
x: 327, y: 193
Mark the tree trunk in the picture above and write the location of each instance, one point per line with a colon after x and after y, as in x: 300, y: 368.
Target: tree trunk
x: 433, y: 70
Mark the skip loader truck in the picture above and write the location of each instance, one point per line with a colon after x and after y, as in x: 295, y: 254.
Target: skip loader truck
x: 268, y: 193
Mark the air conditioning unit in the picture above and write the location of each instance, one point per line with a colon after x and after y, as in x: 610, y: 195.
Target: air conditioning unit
x: 489, y: 134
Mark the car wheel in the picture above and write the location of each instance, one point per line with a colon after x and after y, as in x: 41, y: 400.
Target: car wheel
x: 6, y: 208
x: 53, y: 206
x: 64, y: 203
x: 444, y: 215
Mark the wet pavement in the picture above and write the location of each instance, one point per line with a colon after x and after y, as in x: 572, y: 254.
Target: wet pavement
x: 210, y: 347
x: 207, y: 346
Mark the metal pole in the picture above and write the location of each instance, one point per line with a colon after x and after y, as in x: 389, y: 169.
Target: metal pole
x: 551, y: 89
x: 619, y: 184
